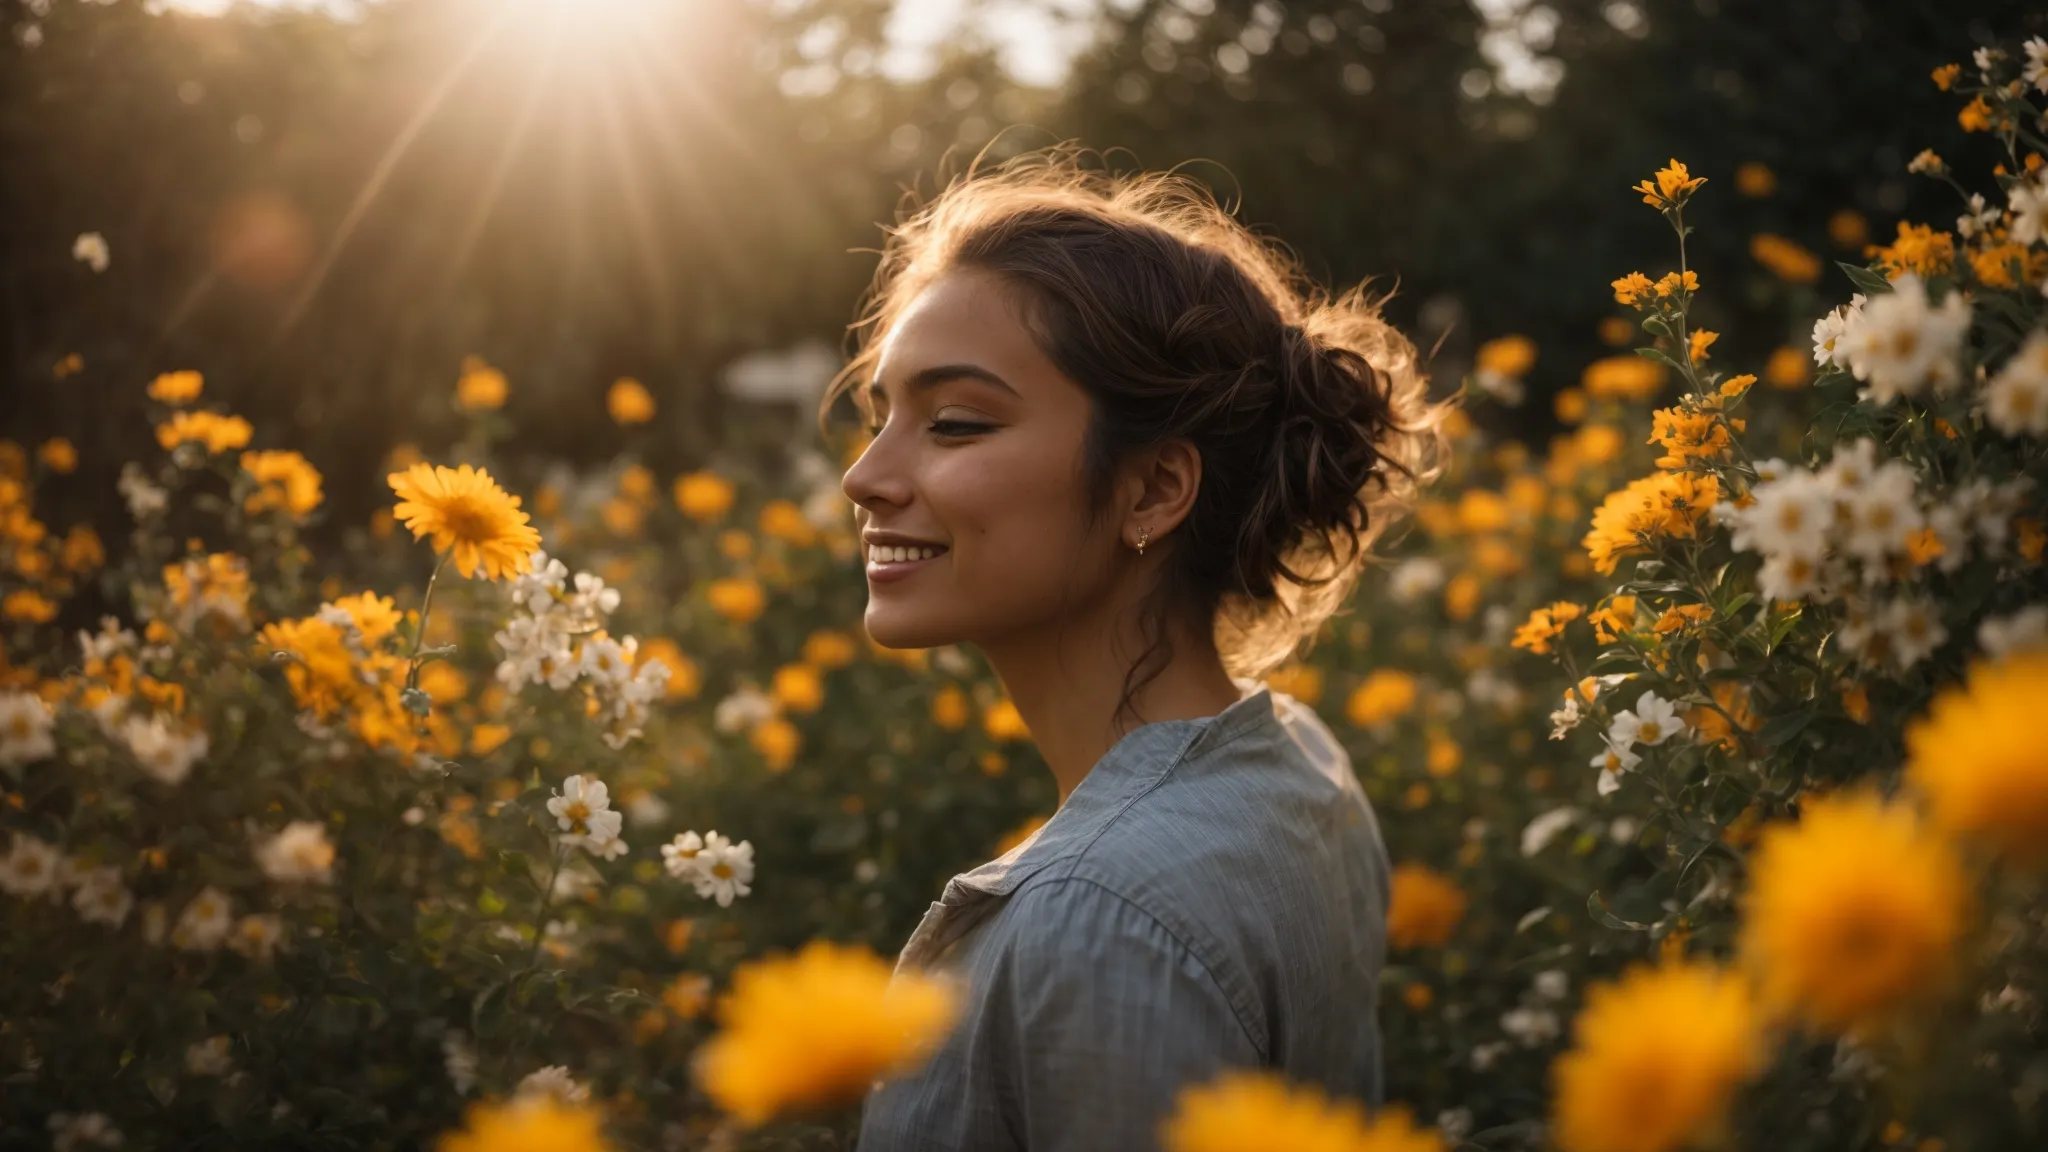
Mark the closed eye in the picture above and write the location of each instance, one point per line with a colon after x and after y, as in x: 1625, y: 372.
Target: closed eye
x: 959, y: 427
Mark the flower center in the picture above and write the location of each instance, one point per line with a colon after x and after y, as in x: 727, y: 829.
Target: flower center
x: 1649, y: 731
x: 577, y: 811
x: 722, y: 871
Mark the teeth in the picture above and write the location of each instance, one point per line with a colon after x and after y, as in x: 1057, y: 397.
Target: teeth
x: 896, y: 554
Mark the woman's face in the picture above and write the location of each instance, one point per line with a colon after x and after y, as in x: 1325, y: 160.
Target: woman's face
x: 976, y: 466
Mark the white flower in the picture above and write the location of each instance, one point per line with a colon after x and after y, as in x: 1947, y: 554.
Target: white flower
x: 1914, y: 624
x: 204, y: 923
x: 553, y: 1080
x: 144, y: 498
x: 2035, y: 71
x: 1654, y: 721
x: 1612, y: 761
x: 583, y: 810
x: 535, y: 588
x: 2016, y: 400
x: 536, y: 651
x: 1985, y: 59
x: 606, y: 661
x: 1790, y: 516
x: 1532, y: 1027
x: 645, y: 807
x: 1551, y: 984
x: 213, y: 1056
x: 1455, y: 1124
x: 683, y: 856
x: 1904, y: 342
x: 30, y: 867
x: 1413, y: 579
x: 2028, y: 201
x: 102, y: 898
x: 591, y: 602
x: 162, y: 749
x: 1484, y: 1055
x: 2001, y: 636
x: 299, y: 854
x: 1787, y: 576
x: 69, y: 1133
x: 1850, y: 467
x: 743, y: 709
x: 1544, y: 828
x: 1883, y: 514
x: 724, y: 869
x: 458, y: 1058
x: 257, y: 936
x: 91, y: 248
x: 1978, y: 218
x: 1829, y: 330
x: 112, y: 640
x: 25, y: 723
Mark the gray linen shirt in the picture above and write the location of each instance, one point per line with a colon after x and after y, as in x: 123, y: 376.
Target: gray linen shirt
x: 1212, y: 895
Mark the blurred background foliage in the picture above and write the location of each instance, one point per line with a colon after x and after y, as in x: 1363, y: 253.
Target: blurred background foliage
x: 325, y: 209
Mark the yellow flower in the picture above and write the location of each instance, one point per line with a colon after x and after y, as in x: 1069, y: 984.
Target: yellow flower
x: 215, y: 585
x: 1673, y: 283
x: 1570, y: 405
x: 1545, y: 625
x: 28, y: 606
x: 322, y: 672
x: 1712, y: 725
x: 684, y: 679
x: 468, y: 516
x: 1507, y: 356
x: 688, y: 994
x: 1385, y: 694
x: 219, y: 433
x: 1626, y: 377
x: 176, y: 387
x: 1443, y: 756
x: 1461, y: 596
x: 284, y: 480
x: 1975, y: 116
x: 1631, y: 288
x: 1304, y: 682
x: 1755, y: 179
x: 81, y: 550
x: 536, y: 1124
x: 1980, y: 762
x: 1663, y: 504
x: 480, y: 387
x: 1655, y: 1059
x: 815, y: 1029
x: 1848, y: 228
x: 1788, y: 368
x: 778, y: 742
x: 703, y: 496
x: 1919, y: 249
x: 1002, y: 721
x: 949, y: 709
x: 1260, y: 1112
x: 1945, y: 76
x: 485, y: 739
x: 58, y: 455
x: 1699, y: 342
x: 1610, y: 620
x: 1673, y: 188
x: 737, y: 599
x: 629, y: 402
x: 826, y: 648
x: 1852, y: 911
x: 1425, y: 907
x: 784, y: 521
x: 798, y: 688
x: 1791, y: 262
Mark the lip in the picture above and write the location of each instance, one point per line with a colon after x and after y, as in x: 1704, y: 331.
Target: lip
x: 887, y: 572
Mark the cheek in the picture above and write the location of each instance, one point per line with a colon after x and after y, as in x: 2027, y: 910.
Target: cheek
x: 1015, y: 514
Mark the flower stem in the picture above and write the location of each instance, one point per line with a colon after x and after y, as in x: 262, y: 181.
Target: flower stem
x: 419, y: 636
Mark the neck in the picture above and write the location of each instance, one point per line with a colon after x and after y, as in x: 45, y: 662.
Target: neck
x: 1066, y: 681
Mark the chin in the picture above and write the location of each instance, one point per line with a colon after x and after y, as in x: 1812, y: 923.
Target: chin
x: 904, y: 626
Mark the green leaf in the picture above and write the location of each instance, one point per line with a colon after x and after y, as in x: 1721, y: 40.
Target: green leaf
x: 1863, y: 278
x: 513, y: 863
x: 1654, y: 354
x: 1783, y: 728
x: 1596, y: 907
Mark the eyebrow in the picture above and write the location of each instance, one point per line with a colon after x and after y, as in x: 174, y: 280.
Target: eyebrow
x: 925, y: 379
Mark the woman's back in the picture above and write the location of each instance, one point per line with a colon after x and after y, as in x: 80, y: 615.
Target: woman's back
x: 1213, y: 895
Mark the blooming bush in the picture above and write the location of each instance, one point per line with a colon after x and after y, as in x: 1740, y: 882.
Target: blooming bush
x: 1700, y: 737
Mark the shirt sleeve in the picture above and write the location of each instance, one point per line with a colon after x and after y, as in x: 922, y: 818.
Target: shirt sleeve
x: 1112, y: 1015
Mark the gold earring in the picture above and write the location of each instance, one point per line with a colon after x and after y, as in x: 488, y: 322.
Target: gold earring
x: 1144, y: 538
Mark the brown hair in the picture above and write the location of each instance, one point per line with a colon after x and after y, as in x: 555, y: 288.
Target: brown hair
x: 1310, y: 411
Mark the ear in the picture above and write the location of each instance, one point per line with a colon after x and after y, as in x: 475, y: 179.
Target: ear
x: 1163, y: 484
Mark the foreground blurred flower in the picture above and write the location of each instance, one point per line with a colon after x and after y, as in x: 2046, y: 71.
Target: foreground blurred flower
x: 534, y: 1124
x: 1851, y: 911
x: 469, y: 517
x: 1260, y: 1112
x: 1425, y: 906
x: 2016, y: 400
x: 1903, y: 341
x: 815, y: 1029
x: 1978, y: 757
x: 1655, y: 1059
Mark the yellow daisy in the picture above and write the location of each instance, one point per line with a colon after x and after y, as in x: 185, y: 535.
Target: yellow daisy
x: 539, y: 1124
x: 1979, y: 761
x: 815, y: 1029
x: 1424, y: 909
x: 1260, y: 1112
x: 469, y: 517
x: 1852, y: 911
x: 1655, y: 1059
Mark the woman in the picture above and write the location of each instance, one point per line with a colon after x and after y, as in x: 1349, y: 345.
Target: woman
x: 1121, y: 447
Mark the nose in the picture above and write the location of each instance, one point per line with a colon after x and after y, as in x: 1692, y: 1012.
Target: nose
x: 878, y: 478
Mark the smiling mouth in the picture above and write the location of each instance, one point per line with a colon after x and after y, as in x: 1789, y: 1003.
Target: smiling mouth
x: 901, y: 554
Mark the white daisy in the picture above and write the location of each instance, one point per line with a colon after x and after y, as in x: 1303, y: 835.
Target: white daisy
x: 2016, y: 400
x: 1916, y: 629
x: 102, y: 898
x: 591, y: 602
x: 30, y: 867
x: 583, y: 810
x: 684, y: 856
x: 1829, y: 330
x: 2028, y: 201
x: 25, y: 724
x: 1653, y: 721
x: 299, y: 854
x: 1883, y: 514
x: 163, y: 750
x: 535, y: 589
x: 744, y: 709
x: 725, y: 869
x: 1850, y: 467
x: 1787, y: 576
x: 1905, y: 342
x: 555, y: 1081
x: 205, y: 921
x: 2001, y: 636
x: 1612, y: 761
x: 257, y: 936
x: 144, y: 498
x: 1790, y: 516
x: 2035, y: 71
x: 1977, y: 217
x: 1413, y: 579
x: 1531, y: 1027
x: 213, y: 1056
